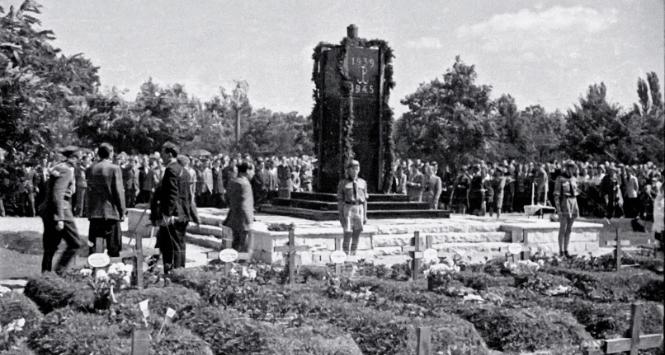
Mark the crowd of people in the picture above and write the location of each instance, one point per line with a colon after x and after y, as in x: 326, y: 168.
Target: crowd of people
x: 101, y: 185
x: 606, y: 189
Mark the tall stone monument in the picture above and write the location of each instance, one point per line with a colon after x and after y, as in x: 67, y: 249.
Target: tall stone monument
x: 351, y: 117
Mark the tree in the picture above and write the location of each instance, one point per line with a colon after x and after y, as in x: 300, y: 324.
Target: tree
x: 39, y: 87
x: 593, y: 128
x: 448, y: 118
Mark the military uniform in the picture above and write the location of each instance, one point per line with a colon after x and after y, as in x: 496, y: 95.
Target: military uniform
x: 56, y: 207
x: 352, y: 207
x: 565, y: 195
x: 352, y: 194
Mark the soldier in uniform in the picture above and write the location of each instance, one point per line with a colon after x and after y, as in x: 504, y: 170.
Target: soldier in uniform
x: 565, y: 197
x: 352, y: 206
x: 56, y: 212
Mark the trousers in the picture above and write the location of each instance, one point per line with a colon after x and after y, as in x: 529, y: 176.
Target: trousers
x: 51, y: 241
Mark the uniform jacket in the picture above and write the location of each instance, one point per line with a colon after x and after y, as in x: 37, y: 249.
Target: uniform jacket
x: 173, y: 196
x: 81, y: 178
x: 106, y: 193
x: 60, y: 188
x: 207, y: 180
x: 241, y: 204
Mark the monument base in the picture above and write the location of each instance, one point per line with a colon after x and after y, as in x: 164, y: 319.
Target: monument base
x: 383, y: 241
x: 323, y: 207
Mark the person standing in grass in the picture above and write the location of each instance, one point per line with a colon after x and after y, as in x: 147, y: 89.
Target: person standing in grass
x: 565, y: 197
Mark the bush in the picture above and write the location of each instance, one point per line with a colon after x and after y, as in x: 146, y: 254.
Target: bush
x: 315, y: 339
x: 176, y: 340
x: 381, y: 332
x: 227, y: 331
x: 14, y: 306
x: 49, y: 291
x: 624, y: 286
x: 528, y: 329
x: 540, y: 282
x: 481, y: 280
x: 66, y: 331
x: 126, y: 312
x: 20, y: 348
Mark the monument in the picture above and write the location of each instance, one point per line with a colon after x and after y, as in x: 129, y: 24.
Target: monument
x: 352, y: 120
x: 351, y: 117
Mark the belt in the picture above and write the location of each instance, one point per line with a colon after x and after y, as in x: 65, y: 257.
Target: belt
x: 354, y: 203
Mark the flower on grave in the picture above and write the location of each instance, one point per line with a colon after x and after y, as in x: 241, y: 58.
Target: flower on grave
x: 85, y: 272
x: 101, y: 275
x: 522, y: 267
x: 15, y: 326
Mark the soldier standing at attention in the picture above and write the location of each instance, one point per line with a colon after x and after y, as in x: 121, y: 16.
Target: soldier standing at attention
x: 565, y: 197
x: 56, y: 212
x: 352, y: 206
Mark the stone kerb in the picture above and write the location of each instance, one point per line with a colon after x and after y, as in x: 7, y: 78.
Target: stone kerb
x: 585, y: 237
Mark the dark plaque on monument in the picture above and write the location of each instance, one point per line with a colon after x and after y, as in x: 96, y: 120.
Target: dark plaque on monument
x: 351, y: 119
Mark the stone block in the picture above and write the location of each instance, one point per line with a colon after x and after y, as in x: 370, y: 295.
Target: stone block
x: 204, y: 241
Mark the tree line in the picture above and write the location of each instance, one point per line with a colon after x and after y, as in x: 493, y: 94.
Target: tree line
x: 49, y: 99
x: 453, y: 120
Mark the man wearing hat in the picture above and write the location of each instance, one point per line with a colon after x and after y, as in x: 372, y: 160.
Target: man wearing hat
x: 56, y: 212
x: 352, y: 206
x: 565, y: 197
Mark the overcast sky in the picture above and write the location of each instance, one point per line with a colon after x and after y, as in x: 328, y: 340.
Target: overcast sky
x: 541, y: 52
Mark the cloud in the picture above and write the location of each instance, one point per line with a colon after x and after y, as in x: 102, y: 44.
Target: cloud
x: 425, y: 42
x: 539, y: 30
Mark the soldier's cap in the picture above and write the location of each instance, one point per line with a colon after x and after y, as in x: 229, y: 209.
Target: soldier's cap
x: 352, y: 163
x: 569, y: 163
x: 70, y: 150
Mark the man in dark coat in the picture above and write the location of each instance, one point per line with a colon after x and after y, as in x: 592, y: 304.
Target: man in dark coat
x: 241, y: 207
x: 105, y: 206
x: 130, y: 175
x: 56, y: 212
x: 218, y: 184
x: 172, y: 209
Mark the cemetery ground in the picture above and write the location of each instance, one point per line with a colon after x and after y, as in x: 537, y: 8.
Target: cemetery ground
x: 544, y: 306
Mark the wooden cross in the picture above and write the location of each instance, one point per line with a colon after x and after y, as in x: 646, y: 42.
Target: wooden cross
x: 140, y: 342
x: 424, y: 341
x: 636, y: 341
x: 618, y: 248
x: 416, y: 250
x: 338, y: 246
x: 291, y: 250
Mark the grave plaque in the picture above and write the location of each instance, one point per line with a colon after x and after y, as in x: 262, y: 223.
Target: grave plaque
x: 350, y: 118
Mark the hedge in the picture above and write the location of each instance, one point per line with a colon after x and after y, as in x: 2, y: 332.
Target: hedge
x: 14, y: 306
x: 49, y: 291
x: 66, y: 331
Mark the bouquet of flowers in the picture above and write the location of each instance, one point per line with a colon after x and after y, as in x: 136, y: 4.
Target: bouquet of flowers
x: 440, y: 274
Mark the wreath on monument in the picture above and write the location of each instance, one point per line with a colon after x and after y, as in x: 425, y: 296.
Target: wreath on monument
x: 347, y: 117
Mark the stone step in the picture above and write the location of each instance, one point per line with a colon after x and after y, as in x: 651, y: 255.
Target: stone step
x: 13, y: 283
x: 211, y: 220
x: 204, y: 241
x: 438, y: 228
x: 204, y: 229
x: 385, y: 240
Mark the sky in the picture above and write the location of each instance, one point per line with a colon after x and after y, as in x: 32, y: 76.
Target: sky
x: 540, y: 52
